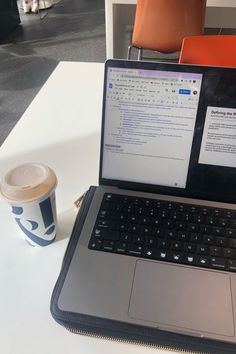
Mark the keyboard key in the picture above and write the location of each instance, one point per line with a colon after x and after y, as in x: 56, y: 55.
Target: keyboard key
x: 97, y: 233
x: 106, y: 224
x: 175, y: 215
x: 199, y: 219
x: 202, y: 261
x: 140, y: 211
x: 124, y: 199
x: 221, y: 241
x: 177, y: 257
x: 209, y: 240
x: 108, y: 197
x: 230, y: 233
x: 232, y: 265
x: 233, y: 224
x: 169, y: 224
x: 163, y: 214
x: 206, y: 229
x: 229, y: 253
x: 148, y: 202
x: 189, y: 247
x: 116, y: 208
x: 206, y: 211
x: 181, y: 207
x: 183, y: 236
x: 195, y: 237
x: 217, y: 213
x: 193, y: 209
x: 181, y: 225
x: 122, y: 226
x: 134, y: 228
x: 187, y: 217
x: 121, y: 217
x: 158, y: 232
x: 170, y: 206
x: 146, y: 230
x: 157, y: 204
x: 176, y: 245
x: 193, y: 227
x: 149, y: 252
x: 228, y: 214
x: 218, y: 231
x: 190, y: 259
x: 135, y: 250
x: 202, y: 249
x: 106, y: 234
x: 232, y: 243
x: 138, y: 239
x: 150, y: 241
x: 157, y: 222
x: 163, y: 255
x: 216, y: 251
x: 129, y: 209
x: 218, y: 263
x: 120, y: 247
x: 151, y: 212
x: 211, y: 221
x: 133, y: 219
x: 171, y: 234
x: 108, y: 246
x: 163, y: 243
x: 224, y: 222
x: 126, y: 237
x: 104, y: 214
x: 144, y: 220
x: 95, y: 244
x: 136, y: 201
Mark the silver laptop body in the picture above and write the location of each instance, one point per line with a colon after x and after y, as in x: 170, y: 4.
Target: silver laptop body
x: 169, y: 137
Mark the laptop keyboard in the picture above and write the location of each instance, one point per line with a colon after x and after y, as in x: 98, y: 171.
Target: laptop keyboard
x: 167, y: 231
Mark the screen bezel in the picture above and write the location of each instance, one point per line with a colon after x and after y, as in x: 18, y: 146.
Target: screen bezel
x: 116, y: 63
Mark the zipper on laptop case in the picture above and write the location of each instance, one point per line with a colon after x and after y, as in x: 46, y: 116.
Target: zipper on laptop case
x: 139, y: 343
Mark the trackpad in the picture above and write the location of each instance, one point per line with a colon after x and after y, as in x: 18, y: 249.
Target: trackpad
x: 176, y: 296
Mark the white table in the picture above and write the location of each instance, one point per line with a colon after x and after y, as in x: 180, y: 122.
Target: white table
x: 120, y: 13
x: 61, y: 128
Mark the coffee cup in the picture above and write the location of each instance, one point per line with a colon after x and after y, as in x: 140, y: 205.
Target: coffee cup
x: 29, y: 190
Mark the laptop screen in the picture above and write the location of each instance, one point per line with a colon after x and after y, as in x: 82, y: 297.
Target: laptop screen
x: 170, y: 128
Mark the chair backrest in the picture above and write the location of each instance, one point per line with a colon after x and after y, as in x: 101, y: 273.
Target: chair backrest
x: 161, y: 25
x: 217, y: 50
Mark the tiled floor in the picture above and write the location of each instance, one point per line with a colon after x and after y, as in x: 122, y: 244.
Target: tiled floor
x: 72, y: 30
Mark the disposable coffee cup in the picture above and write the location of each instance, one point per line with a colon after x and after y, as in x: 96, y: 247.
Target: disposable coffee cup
x: 29, y: 190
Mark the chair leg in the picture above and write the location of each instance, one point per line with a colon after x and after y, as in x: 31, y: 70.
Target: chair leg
x: 140, y: 53
x: 129, y: 51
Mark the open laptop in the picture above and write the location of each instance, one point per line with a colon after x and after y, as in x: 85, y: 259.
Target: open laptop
x: 158, y: 246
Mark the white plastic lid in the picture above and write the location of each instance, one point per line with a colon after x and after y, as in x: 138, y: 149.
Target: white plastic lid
x: 28, y: 182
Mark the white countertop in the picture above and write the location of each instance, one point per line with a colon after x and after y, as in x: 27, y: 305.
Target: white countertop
x: 61, y: 128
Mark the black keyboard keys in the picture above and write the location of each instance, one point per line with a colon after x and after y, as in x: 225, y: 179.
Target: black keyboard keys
x: 166, y: 231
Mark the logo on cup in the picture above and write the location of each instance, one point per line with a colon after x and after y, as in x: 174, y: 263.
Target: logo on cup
x: 41, y: 232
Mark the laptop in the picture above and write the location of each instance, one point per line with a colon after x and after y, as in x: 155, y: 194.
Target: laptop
x: 158, y: 245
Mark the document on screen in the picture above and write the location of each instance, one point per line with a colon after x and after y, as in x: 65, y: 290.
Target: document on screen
x: 219, y: 137
x: 149, y: 126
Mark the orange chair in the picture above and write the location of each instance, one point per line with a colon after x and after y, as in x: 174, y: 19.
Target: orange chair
x: 161, y: 25
x: 217, y: 50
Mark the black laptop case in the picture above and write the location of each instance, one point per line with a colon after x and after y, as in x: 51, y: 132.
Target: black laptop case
x: 116, y: 330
